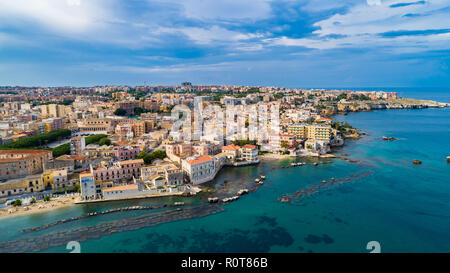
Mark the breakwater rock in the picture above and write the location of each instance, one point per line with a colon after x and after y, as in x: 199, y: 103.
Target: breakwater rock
x: 133, y: 208
x: 323, y: 185
x: 81, y: 234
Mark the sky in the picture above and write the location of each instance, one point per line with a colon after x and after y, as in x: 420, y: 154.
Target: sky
x: 304, y: 43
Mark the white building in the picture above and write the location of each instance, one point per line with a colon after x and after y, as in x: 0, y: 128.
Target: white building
x: 121, y: 191
x: 249, y: 153
x: 87, y: 183
x: 199, y: 169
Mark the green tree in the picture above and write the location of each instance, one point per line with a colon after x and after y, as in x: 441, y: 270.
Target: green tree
x: 104, y: 141
x: 46, y: 198
x: 61, y: 150
x: 37, y: 141
x: 342, y: 96
x: 120, y: 112
x: 17, y: 203
x: 94, y: 139
x: 138, y: 111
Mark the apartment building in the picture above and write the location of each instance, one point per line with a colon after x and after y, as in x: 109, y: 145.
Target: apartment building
x: 28, y: 184
x: 199, y: 169
x: 315, y: 131
x: 77, y: 145
x: 88, y: 186
x: 249, y: 153
x: 164, y: 174
x: 56, y: 179
x: 19, y: 163
x: 119, y: 171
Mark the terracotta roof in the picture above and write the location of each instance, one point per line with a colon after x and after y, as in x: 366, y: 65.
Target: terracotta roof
x: 200, y: 159
x: 249, y: 147
x: 27, y: 154
x: 231, y: 147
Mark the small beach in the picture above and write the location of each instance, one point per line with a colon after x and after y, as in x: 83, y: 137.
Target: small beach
x: 39, y: 207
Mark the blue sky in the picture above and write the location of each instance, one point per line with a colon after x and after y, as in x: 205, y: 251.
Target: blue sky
x: 307, y: 43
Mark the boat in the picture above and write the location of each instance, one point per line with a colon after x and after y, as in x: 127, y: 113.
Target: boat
x: 257, y: 180
x: 263, y: 177
x: 243, y: 191
x: 448, y: 159
x: 213, y: 200
x: 415, y: 161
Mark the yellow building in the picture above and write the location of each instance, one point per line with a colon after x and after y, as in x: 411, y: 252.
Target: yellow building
x: 317, y: 131
x: 53, y: 110
x: 28, y: 184
x: 55, y: 179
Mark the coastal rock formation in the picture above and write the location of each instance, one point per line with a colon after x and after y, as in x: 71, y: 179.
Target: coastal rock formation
x: 389, y: 138
x: 358, y: 106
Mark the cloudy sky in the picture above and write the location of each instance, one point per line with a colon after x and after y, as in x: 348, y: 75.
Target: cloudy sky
x: 304, y: 43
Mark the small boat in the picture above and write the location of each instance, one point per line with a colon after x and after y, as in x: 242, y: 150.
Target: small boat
x: 213, y: 200
x: 263, y: 177
x: 415, y: 161
x: 448, y: 159
x: 260, y: 183
x: 257, y: 180
x: 315, y: 164
x: 243, y: 191
x: 323, y: 181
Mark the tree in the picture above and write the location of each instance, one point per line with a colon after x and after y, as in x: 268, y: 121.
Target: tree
x: 17, y: 203
x: 138, y: 111
x: 104, y: 141
x: 94, y: 139
x: 120, y: 112
x: 159, y: 154
x: 33, y: 201
x: 46, y: 198
x: 342, y: 96
x: 284, y: 145
x: 61, y: 150
x: 278, y: 96
x: 148, y: 158
x: 37, y: 141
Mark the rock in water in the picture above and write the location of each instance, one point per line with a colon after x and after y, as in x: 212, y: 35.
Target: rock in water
x: 415, y: 161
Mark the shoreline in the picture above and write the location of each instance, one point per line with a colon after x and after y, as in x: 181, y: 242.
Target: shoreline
x: 39, y: 207
x: 142, y: 196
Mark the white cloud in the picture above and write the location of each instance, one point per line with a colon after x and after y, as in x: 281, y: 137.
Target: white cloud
x: 64, y: 17
x: 224, y: 9
x: 374, y: 2
x: 363, y: 25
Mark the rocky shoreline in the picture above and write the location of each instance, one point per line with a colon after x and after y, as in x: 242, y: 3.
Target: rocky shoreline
x: 360, y: 106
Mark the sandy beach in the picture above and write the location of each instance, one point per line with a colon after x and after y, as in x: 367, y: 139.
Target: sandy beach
x: 39, y: 207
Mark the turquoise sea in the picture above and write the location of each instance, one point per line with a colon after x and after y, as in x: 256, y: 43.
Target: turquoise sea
x: 404, y: 207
